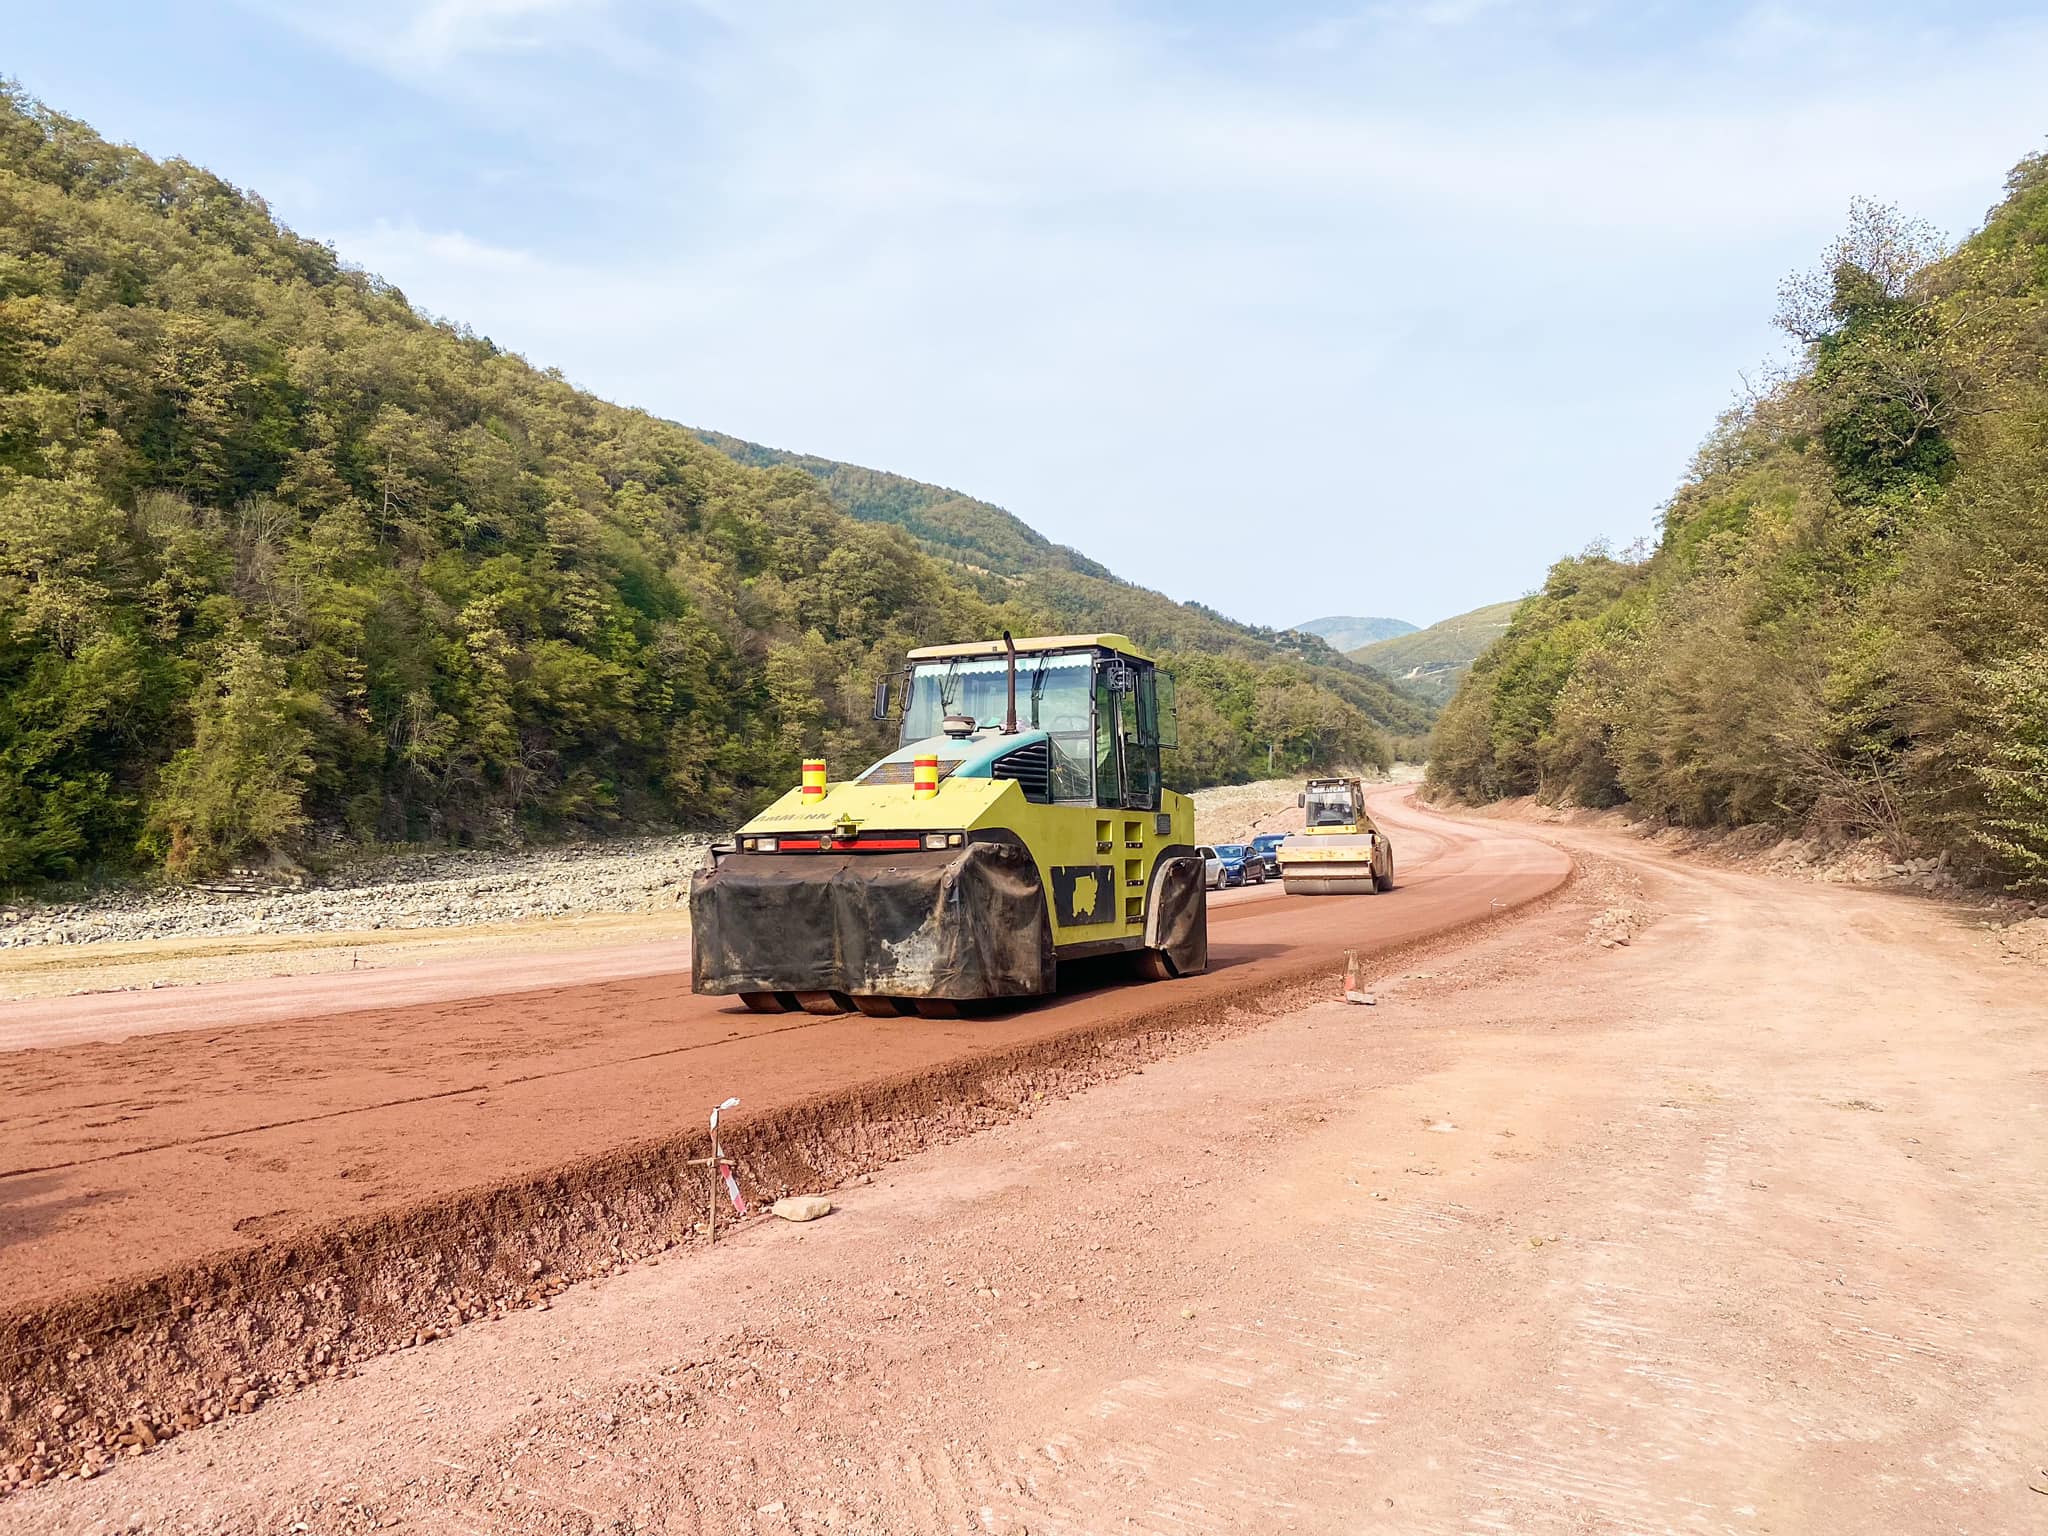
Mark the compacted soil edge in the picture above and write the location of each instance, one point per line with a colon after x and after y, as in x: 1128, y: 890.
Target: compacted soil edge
x: 118, y: 1370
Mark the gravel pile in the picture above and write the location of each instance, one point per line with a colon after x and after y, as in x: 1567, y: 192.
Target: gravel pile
x: 2027, y: 939
x: 442, y: 890
x: 1234, y: 813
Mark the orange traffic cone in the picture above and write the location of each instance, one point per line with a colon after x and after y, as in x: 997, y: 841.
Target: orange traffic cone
x: 1354, y: 984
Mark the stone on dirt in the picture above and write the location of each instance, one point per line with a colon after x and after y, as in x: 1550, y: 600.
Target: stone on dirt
x: 802, y: 1207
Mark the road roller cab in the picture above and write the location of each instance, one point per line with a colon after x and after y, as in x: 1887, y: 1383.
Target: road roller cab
x: 1020, y: 822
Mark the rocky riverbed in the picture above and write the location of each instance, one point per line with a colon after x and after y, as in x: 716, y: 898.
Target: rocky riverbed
x: 440, y: 890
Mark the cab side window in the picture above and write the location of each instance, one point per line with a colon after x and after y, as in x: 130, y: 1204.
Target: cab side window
x: 1141, y: 743
x: 1126, y: 735
x: 1062, y: 699
x: 1109, y: 762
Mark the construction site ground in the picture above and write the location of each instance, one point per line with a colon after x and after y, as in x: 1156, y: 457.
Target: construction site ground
x: 1680, y: 1198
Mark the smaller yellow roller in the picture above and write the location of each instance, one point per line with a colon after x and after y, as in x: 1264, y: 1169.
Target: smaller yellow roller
x: 1340, y: 852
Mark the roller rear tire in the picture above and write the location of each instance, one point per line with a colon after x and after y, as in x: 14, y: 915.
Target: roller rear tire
x: 1155, y: 965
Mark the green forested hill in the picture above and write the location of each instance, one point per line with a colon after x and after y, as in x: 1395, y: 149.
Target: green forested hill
x: 286, y: 566
x: 1846, y: 619
x: 1243, y: 687
x: 1432, y: 662
x: 974, y: 533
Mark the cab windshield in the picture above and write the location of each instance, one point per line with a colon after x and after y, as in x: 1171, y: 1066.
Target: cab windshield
x: 1052, y: 694
x: 1055, y: 694
x: 1329, y: 808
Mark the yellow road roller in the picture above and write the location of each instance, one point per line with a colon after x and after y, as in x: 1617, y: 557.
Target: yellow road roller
x: 1020, y: 822
x: 1339, y: 851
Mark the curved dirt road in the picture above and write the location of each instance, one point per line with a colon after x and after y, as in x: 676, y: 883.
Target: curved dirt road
x: 127, y: 1156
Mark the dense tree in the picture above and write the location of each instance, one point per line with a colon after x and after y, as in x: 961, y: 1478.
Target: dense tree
x: 242, y: 782
x: 284, y: 564
x: 1846, y: 618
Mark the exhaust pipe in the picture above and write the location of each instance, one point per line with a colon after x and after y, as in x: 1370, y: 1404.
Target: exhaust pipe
x: 1010, y: 718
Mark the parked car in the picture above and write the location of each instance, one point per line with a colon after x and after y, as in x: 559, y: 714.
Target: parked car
x: 1235, y: 864
x: 1267, y: 846
x: 1212, y: 866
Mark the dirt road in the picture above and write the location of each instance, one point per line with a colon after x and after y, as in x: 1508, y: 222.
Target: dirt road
x: 122, y: 1159
x: 1738, y: 1227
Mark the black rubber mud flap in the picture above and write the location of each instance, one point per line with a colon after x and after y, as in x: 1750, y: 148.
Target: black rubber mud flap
x: 949, y: 923
x: 1177, y: 917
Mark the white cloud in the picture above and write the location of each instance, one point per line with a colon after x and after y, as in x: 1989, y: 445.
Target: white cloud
x: 445, y: 29
x: 450, y: 251
x: 455, y: 43
x: 1148, y: 289
x: 1365, y: 23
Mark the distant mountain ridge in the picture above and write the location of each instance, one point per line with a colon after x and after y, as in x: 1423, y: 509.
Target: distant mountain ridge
x: 1348, y: 633
x: 955, y: 526
x: 1006, y: 560
x: 1430, y: 663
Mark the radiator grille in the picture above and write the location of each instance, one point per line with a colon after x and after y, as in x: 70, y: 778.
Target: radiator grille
x: 1030, y: 766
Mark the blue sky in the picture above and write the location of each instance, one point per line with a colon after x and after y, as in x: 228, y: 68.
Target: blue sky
x: 1290, y: 308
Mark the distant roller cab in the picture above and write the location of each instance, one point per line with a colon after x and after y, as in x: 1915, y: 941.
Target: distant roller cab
x: 1339, y: 851
x: 1021, y: 822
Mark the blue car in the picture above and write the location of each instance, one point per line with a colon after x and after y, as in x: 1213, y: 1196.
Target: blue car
x: 1233, y: 864
x: 1267, y: 846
